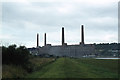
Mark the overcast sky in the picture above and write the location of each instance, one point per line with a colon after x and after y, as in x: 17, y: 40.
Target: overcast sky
x: 21, y: 21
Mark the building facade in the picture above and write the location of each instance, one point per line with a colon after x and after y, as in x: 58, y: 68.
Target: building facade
x: 64, y: 50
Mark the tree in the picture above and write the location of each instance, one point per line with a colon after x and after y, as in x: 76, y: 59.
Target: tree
x: 14, y: 55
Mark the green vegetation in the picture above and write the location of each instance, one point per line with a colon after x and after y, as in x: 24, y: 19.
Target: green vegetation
x: 15, y: 55
x: 107, y: 49
x: 15, y: 71
x: 17, y: 62
x: 37, y: 63
x: 78, y: 68
x: 12, y: 71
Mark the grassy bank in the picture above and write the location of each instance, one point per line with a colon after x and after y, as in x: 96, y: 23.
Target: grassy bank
x: 17, y: 71
x: 78, y: 68
x: 63, y: 68
x: 12, y: 71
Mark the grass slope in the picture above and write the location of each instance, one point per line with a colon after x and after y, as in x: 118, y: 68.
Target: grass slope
x: 78, y: 68
x: 17, y: 71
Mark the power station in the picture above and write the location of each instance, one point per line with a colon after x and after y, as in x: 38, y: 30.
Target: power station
x: 64, y: 50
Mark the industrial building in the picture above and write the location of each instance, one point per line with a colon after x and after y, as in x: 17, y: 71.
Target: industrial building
x: 64, y: 50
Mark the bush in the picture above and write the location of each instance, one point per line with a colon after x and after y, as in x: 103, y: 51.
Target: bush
x: 14, y: 55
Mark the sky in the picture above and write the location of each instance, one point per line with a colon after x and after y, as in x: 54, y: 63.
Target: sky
x: 21, y: 21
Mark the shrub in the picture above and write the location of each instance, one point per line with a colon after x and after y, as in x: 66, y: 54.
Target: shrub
x: 14, y: 55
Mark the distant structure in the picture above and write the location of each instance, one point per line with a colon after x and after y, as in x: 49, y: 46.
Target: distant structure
x: 82, y: 34
x: 45, y: 40
x: 64, y: 50
x: 63, y: 36
x: 37, y: 40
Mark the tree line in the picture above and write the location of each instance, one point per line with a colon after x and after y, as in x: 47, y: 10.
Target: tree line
x: 19, y: 56
x: 15, y: 55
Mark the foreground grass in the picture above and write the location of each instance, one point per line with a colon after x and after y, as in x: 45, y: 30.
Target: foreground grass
x: 37, y: 62
x: 12, y: 71
x: 78, y: 68
x: 17, y: 71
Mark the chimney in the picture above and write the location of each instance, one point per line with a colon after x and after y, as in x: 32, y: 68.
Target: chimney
x: 82, y: 34
x: 45, y: 40
x: 62, y: 35
x: 37, y: 40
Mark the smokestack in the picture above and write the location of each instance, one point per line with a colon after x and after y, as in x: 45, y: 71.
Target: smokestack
x: 45, y: 40
x: 82, y: 34
x: 37, y: 40
x: 62, y: 35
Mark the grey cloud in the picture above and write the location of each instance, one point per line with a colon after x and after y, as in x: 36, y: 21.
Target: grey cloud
x: 48, y: 17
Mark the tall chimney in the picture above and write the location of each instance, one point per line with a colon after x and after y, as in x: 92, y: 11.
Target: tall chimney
x: 37, y: 40
x: 45, y: 40
x: 82, y: 34
x: 62, y: 35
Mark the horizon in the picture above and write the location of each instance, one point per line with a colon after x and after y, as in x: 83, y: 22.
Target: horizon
x: 17, y: 45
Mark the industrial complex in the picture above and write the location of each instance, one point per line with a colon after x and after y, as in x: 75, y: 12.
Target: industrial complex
x: 64, y: 50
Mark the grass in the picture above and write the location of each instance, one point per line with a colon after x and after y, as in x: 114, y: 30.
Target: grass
x: 38, y: 62
x: 64, y: 68
x: 13, y: 71
x: 78, y: 68
x: 110, y: 64
x: 53, y: 69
